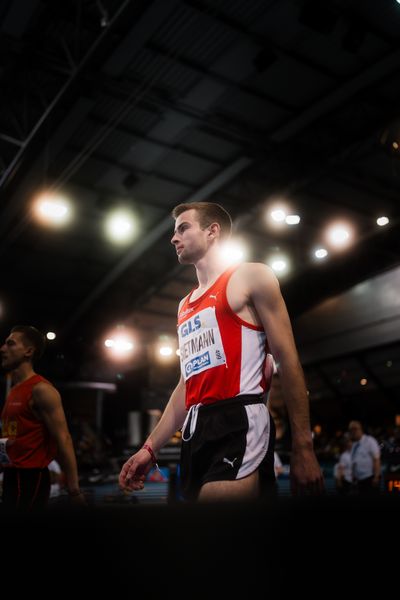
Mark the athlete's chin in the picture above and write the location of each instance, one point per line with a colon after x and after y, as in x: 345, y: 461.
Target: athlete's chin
x: 183, y: 260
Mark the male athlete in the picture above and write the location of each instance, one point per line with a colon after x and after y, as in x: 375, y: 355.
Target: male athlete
x: 34, y: 428
x: 228, y: 328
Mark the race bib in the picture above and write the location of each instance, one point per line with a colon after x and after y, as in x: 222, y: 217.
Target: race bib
x: 200, y: 343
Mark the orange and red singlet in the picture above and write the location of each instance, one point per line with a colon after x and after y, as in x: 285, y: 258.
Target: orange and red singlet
x: 33, y: 448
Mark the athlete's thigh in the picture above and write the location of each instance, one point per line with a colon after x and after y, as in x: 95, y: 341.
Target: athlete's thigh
x: 246, y: 488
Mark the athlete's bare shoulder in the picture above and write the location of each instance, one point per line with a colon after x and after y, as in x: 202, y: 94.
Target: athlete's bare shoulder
x: 255, y: 282
x: 255, y: 273
x: 247, y: 282
x: 45, y: 392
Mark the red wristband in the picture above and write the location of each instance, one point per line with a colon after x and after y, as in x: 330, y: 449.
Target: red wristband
x: 150, y: 451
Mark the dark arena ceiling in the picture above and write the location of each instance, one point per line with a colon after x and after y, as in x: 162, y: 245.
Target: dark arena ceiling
x: 146, y: 104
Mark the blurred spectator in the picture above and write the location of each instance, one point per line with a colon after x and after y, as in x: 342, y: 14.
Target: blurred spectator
x: 91, y: 450
x: 342, y: 470
x: 365, y: 460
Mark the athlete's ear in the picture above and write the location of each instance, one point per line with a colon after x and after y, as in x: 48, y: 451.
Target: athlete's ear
x: 29, y: 351
x: 214, y: 230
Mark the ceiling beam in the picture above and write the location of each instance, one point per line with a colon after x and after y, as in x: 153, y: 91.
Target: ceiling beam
x: 143, y: 29
x: 369, y: 77
x: 18, y: 158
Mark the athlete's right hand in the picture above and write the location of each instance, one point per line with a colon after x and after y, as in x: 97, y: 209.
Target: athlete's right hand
x: 134, y: 471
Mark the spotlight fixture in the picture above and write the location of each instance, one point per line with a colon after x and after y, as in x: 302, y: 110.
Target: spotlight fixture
x: 382, y: 221
x: 320, y: 253
x: 51, y: 209
x: 292, y: 219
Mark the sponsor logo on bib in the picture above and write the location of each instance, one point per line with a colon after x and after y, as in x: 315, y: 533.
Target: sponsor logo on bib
x: 200, y: 343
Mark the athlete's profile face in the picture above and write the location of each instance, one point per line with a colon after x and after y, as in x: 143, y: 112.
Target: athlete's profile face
x: 189, y: 238
x: 14, y: 351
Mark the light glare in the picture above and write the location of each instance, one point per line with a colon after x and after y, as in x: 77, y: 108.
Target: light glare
x: 232, y: 252
x: 121, y: 346
x: 381, y: 221
x: 321, y: 253
x: 278, y: 215
x: 338, y: 235
x: 165, y: 350
x: 52, y: 210
x: 120, y: 227
x: 278, y: 265
x: 292, y: 219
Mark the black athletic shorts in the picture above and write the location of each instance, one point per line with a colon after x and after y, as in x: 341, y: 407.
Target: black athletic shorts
x: 225, y: 441
x: 25, y: 489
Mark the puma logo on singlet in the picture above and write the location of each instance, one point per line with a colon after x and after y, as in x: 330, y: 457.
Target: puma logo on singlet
x: 229, y: 462
x: 212, y: 296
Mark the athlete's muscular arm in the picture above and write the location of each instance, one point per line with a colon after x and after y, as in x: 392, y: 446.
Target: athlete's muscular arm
x: 48, y: 407
x: 171, y: 420
x: 264, y: 294
x: 134, y: 471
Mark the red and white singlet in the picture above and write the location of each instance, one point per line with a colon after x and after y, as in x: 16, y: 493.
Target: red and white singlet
x: 222, y: 356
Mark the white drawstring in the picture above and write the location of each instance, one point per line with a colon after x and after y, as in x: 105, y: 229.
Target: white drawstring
x: 192, y: 415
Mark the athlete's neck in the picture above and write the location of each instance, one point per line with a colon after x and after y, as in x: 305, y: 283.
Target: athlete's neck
x: 209, y: 268
x: 22, y: 373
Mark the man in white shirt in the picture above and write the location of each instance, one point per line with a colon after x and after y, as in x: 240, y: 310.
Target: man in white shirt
x: 365, y: 459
